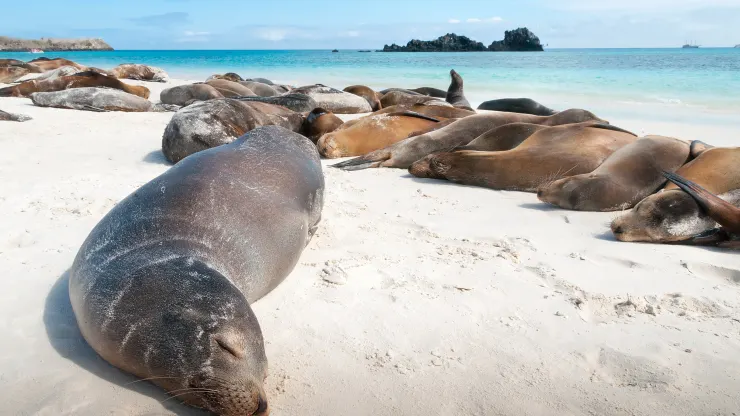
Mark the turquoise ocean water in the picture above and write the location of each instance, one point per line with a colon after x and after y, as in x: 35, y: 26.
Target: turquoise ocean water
x: 669, y: 82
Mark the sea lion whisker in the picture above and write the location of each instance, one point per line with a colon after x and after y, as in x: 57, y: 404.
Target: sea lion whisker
x: 148, y: 379
x: 187, y: 392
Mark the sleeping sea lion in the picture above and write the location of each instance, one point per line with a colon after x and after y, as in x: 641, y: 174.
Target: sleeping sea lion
x: 230, y: 89
x: 319, y: 122
x: 517, y: 105
x: 140, y: 73
x: 184, y: 95
x: 13, y: 117
x: 334, y: 100
x: 79, y: 80
x: 367, y: 93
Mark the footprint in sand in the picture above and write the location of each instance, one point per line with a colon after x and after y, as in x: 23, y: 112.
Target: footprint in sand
x: 623, y: 370
x: 712, y: 272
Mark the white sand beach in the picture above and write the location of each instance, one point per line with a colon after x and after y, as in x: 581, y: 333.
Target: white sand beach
x: 416, y: 297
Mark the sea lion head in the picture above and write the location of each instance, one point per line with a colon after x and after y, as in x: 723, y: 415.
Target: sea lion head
x: 580, y: 192
x: 433, y: 166
x: 319, y: 122
x: 668, y: 216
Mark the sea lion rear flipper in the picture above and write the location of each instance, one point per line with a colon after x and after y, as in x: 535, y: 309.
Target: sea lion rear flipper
x: 95, y: 109
x: 370, y: 160
x: 726, y: 214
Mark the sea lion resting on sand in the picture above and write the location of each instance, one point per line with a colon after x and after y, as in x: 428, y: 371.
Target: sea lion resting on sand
x: 403, y: 98
x: 97, y: 99
x: 331, y: 99
x: 162, y: 286
x: 229, y: 76
x: 517, y: 105
x: 79, y: 80
x: 548, y: 154
x: 47, y: 64
x: 300, y: 103
x: 260, y: 89
x: 213, y: 123
x: 185, y: 95
x: 319, y: 122
x: 624, y: 179
x: 672, y: 215
x: 13, y: 117
x: 367, y: 93
x: 140, y: 72
x: 404, y: 153
x: 230, y: 89
x: 12, y: 69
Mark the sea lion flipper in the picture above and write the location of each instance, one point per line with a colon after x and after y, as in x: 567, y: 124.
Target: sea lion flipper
x: 370, y: 160
x: 717, y: 208
x: 597, y: 125
x: 409, y: 113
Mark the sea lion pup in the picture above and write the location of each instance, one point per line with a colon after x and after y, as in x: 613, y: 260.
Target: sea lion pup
x: 300, y: 103
x: 185, y: 95
x: 721, y: 211
x: 334, y: 100
x: 140, y: 72
x: 372, y: 133
x: 517, y: 105
x: 162, y: 286
x: 230, y: 89
x: 455, y: 94
x: 404, y: 153
x: 624, y: 179
x: 319, y: 122
x: 213, y: 123
x: 404, y: 98
x: 367, y: 93
x: 13, y: 117
x: 672, y: 215
x: 95, y: 99
x: 47, y: 64
x: 548, y: 154
x: 78, y: 80
x: 262, y: 90
x: 432, y: 92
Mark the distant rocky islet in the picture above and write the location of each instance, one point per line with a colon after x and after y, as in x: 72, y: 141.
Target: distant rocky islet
x: 517, y: 40
x: 8, y: 44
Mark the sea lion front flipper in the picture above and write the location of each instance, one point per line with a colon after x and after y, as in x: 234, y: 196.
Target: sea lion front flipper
x: 726, y: 214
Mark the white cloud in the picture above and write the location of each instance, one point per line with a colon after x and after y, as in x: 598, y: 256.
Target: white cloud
x: 454, y: 21
x: 495, y: 19
x: 487, y: 20
x: 473, y: 20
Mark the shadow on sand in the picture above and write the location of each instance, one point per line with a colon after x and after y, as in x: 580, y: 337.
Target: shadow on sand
x: 540, y: 206
x: 64, y: 335
x: 156, y: 157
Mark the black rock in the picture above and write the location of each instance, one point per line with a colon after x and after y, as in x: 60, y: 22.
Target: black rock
x: 447, y: 43
x: 517, y: 40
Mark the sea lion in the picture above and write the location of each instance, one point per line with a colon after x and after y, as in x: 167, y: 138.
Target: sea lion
x: 517, y: 105
x: 13, y: 117
x: 432, y: 92
x: 94, y: 99
x: 624, y: 179
x: 724, y: 213
x: 404, y: 153
x: 48, y: 64
x: 230, y: 89
x: 319, y: 122
x: 436, y: 111
x: 10, y: 74
x: 372, y: 133
x: 505, y: 137
x: 15, y: 62
x: 162, y: 286
x: 672, y: 215
x: 262, y: 90
x: 216, y: 122
x: 282, y: 88
x: 548, y: 154
x: 367, y: 93
x: 184, y: 95
x: 331, y: 99
x: 79, y: 80
x: 229, y: 76
x: 300, y: 103
x: 140, y: 72
x: 262, y: 80
x: 455, y: 94
x: 405, y: 91
x: 63, y: 71
x: 403, y: 98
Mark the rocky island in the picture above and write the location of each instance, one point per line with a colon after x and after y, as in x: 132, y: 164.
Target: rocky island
x: 518, y: 40
x: 8, y: 44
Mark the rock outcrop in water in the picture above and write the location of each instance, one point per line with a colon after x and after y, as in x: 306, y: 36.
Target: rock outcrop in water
x: 8, y: 44
x: 521, y: 39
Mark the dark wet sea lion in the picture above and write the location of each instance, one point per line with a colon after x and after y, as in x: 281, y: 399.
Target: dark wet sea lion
x: 162, y: 286
x: 229, y: 76
x: 628, y: 176
x: 334, y: 100
x: 230, y: 89
x: 79, y: 80
x: 300, y: 103
x: 455, y: 94
x: 403, y: 98
x: 672, y: 215
x: 47, y: 64
x: 405, y: 91
x: 548, y: 154
x: 216, y: 122
x: 319, y: 122
x: 367, y: 93
x: 432, y: 92
x: 93, y: 99
x: 404, y: 153
x: 139, y: 72
x: 517, y: 105
x: 185, y: 95
x: 262, y: 90
x: 13, y: 117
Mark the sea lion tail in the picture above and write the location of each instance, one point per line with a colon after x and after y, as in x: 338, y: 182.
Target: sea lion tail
x: 726, y: 214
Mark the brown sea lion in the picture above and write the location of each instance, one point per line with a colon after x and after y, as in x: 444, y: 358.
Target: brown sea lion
x: 231, y: 89
x: 262, y: 90
x: 672, y: 215
x: 548, y: 154
x: 505, y: 137
x: 79, y: 80
x: 184, y: 95
x: 319, y: 122
x: 372, y: 133
x: 367, y: 93
x: 47, y: 64
x: 404, y: 153
x: 430, y: 91
x: 161, y: 287
x: 624, y: 179
x: 139, y: 72
x: 436, y: 111
x: 402, y: 98
x: 13, y: 117
x: 212, y: 123
x: 455, y: 94
x: 10, y: 74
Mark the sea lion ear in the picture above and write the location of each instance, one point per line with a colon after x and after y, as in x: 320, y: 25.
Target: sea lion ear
x: 698, y: 147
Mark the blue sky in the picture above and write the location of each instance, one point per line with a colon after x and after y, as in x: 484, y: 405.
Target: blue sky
x: 317, y: 24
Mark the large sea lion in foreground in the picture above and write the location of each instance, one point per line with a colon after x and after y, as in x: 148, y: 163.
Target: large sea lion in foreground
x: 455, y: 94
x: 672, y: 215
x: 230, y: 89
x: 548, y: 154
x: 140, y: 72
x: 517, y: 105
x: 213, y: 123
x: 79, y: 80
x: 404, y: 153
x: 300, y: 103
x: 334, y: 100
x: 13, y: 117
x: 372, y: 133
x: 162, y: 286
x: 624, y: 179
x: 185, y: 95
x: 319, y: 122
x: 367, y: 93
x: 96, y: 99
x: 47, y: 64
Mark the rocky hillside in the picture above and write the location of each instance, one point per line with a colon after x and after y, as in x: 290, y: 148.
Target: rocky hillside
x: 521, y: 39
x: 47, y: 44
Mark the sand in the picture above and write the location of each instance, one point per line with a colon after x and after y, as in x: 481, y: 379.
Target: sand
x: 416, y: 297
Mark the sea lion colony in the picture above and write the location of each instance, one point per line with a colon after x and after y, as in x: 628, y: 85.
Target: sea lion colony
x: 682, y: 192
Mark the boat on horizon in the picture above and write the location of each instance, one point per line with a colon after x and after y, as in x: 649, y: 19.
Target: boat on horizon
x: 35, y: 50
x: 690, y: 45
